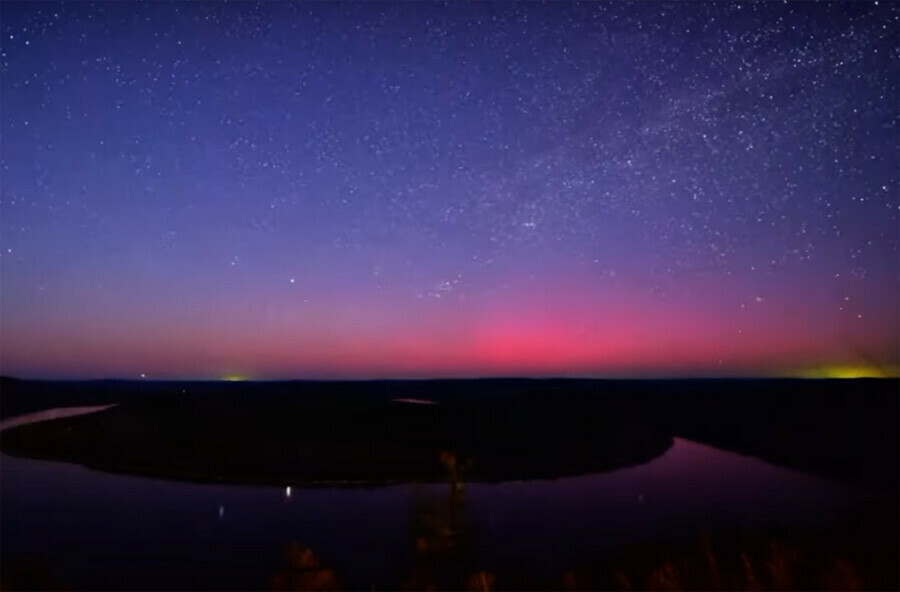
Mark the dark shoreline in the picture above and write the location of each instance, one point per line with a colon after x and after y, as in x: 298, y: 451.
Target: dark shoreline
x: 311, y: 443
x: 353, y: 433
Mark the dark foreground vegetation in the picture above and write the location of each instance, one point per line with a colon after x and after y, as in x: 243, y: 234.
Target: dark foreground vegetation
x: 308, y: 432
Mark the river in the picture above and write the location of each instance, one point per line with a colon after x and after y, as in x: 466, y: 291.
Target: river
x: 93, y: 530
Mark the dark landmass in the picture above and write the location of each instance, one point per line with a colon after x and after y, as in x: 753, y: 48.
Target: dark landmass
x: 278, y: 437
x: 310, y: 432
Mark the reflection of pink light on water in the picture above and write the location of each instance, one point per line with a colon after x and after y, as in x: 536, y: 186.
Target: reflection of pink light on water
x: 690, y: 484
x: 697, y: 474
x: 48, y: 414
x: 689, y: 488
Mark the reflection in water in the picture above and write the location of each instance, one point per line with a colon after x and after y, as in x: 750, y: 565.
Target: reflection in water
x: 443, y: 557
x: 442, y: 546
x: 48, y: 414
x: 568, y: 533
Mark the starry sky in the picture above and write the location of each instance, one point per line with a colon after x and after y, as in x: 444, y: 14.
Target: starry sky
x: 343, y: 190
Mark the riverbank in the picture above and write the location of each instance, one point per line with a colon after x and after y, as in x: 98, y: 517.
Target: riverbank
x: 365, y: 432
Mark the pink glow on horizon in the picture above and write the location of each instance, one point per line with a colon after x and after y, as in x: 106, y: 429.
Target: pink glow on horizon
x: 569, y: 332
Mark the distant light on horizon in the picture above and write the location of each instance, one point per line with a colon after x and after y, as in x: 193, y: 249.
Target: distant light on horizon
x: 850, y: 371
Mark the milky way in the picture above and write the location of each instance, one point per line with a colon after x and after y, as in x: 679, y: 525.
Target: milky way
x: 282, y: 190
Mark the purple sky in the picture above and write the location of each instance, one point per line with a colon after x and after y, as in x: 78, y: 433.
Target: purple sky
x: 281, y: 190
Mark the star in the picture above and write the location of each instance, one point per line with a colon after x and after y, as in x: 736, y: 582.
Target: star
x: 511, y: 151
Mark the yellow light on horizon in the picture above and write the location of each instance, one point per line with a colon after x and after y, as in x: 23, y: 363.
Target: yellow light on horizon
x: 850, y: 371
x: 234, y: 377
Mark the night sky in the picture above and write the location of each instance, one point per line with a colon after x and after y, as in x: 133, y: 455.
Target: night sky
x: 276, y: 190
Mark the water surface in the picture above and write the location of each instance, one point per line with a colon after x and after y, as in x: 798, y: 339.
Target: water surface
x: 98, y: 530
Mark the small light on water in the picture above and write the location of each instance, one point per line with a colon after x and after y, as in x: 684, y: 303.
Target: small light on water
x: 287, y: 492
x: 221, y: 512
